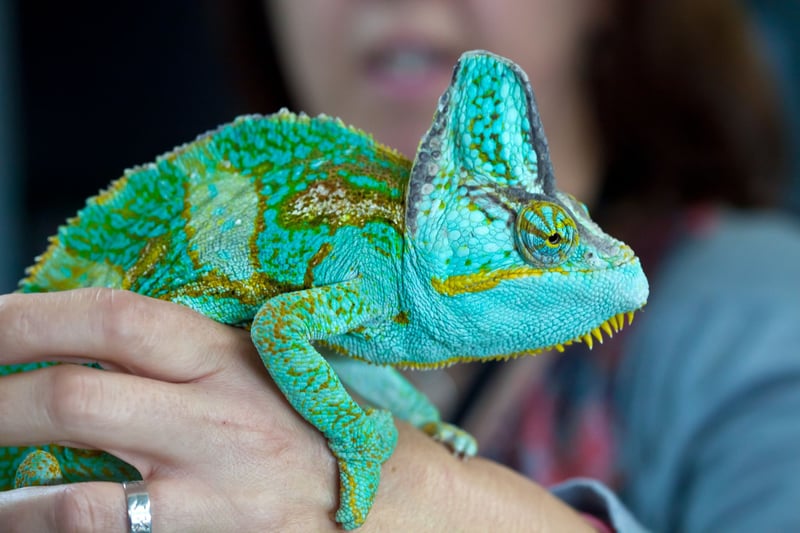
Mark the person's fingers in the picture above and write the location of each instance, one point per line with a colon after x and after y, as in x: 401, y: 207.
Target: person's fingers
x: 102, y: 507
x: 80, y: 507
x: 145, y: 336
x: 175, y: 505
x: 134, y: 418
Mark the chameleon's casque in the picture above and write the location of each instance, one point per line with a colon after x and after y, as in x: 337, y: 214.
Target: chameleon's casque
x: 318, y: 237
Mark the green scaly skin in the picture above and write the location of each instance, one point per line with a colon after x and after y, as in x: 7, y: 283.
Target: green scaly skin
x: 317, y: 236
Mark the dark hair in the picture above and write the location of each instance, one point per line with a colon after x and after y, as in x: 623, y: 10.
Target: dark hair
x: 685, y: 106
x: 249, y: 47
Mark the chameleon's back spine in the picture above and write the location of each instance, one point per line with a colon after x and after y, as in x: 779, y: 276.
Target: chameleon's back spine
x: 152, y: 231
x: 99, y: 246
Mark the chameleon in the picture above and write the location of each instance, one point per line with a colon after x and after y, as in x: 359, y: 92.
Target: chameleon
x: 349, y: 263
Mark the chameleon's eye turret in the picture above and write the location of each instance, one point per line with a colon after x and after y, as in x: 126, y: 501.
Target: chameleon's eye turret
x: 545, y: 233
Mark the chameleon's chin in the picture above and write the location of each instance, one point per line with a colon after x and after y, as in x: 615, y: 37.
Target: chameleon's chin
x: 609, y: 327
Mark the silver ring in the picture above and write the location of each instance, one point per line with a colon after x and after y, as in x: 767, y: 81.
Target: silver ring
x: 139, y: 518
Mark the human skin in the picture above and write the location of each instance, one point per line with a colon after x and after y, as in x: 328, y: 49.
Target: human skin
x: 192, y: 407
x: 382, y: 65
x: 220, y: 448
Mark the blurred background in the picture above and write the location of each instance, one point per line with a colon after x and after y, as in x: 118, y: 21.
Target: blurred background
x: 90, y: 88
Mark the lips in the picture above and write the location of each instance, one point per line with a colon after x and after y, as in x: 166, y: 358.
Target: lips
x: 408, y: 60
x: 406, y: 70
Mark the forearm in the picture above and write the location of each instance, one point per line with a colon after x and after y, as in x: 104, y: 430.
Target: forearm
x: 425, y: 488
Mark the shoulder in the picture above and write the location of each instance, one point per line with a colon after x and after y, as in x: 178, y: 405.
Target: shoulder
x: 725, y: 285
x: 726, y: 298
x: 714, y: 362
x: 731, y: 247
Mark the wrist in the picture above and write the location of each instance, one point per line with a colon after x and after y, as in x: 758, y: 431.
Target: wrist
x: 425, y: 487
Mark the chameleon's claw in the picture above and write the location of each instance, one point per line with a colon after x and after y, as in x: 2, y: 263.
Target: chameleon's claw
x: 462, y: 443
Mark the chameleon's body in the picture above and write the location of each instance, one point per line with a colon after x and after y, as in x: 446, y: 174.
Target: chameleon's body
x: 309, y: 231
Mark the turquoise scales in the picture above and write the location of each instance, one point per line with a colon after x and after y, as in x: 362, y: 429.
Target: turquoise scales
x: 319, y: 237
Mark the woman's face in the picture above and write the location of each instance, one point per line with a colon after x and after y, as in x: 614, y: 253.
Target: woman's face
x: 381, y: 65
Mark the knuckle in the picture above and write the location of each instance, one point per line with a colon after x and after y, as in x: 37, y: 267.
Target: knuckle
x: 75, y: 395
x: 75, y: 510
x: 121, y: 315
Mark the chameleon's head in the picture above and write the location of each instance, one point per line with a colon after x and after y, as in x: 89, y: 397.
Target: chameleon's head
x: 507, y: 263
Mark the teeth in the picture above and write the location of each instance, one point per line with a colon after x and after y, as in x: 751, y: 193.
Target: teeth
x: 630, y: 317
x: 598, y: 335
x: 607, y: 329
x: 407, y: 61
x: 410, y: 59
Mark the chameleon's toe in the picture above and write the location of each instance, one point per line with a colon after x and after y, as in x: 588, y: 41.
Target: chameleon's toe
x: 458, y: 440
x: 358, y: 482
x: 38, y: 468
x: 360, y: 459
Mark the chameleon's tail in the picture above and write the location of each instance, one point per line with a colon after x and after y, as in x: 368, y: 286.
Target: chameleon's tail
x: 61, y: 268
x: 54, y: 465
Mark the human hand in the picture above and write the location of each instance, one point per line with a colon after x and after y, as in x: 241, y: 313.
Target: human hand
x: 188, y: 403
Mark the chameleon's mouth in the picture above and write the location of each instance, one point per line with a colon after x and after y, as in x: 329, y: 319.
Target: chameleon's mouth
x: 609, y: 327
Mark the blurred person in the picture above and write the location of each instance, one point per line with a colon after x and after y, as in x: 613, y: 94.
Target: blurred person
x: 661, y: 118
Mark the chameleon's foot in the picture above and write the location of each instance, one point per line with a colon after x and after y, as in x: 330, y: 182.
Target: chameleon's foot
x: 38, y: 468
x: 458, y: 440
x: 360, y: 459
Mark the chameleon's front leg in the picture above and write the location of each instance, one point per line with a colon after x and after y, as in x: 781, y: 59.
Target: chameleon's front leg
x: 385, y: 387
x: 361, y: 441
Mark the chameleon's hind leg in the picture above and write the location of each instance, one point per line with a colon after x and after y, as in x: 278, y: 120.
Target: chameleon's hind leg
x: 361, y: 440
x: 385, y: 387
x: 38, y: 468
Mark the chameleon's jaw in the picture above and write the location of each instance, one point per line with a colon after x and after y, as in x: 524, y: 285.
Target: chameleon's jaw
x: 609, y: 327
x: 612, y: 325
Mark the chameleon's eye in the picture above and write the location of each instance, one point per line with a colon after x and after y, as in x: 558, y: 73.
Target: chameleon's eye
x: 554, y: 239
x: 545, y: 233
